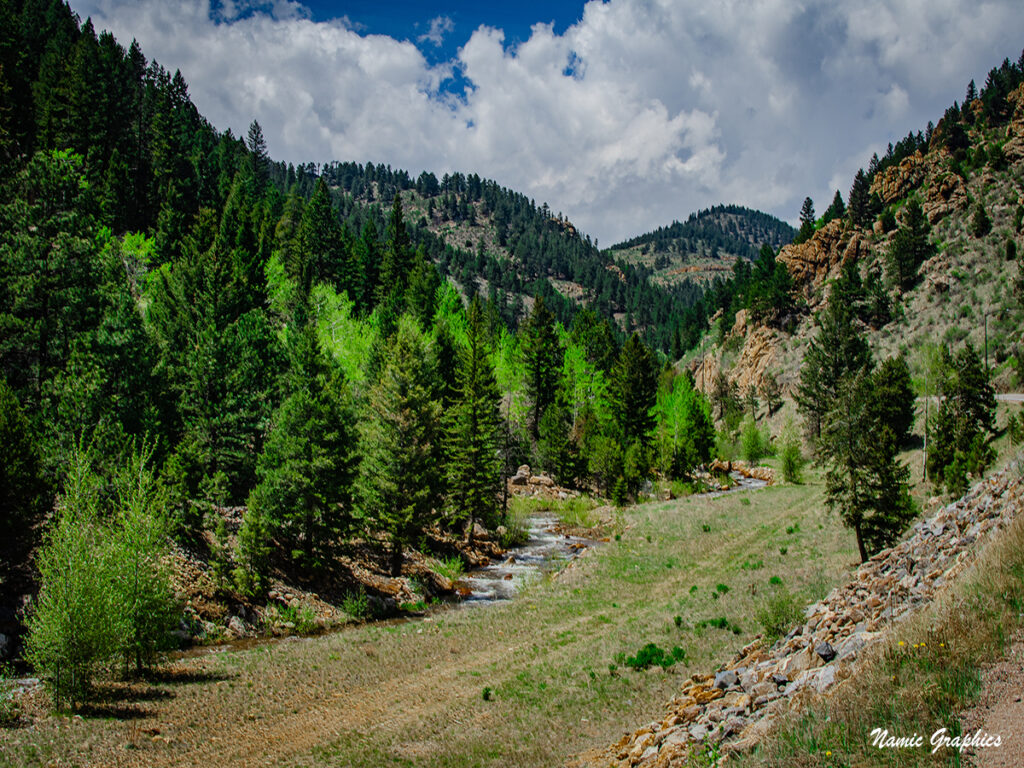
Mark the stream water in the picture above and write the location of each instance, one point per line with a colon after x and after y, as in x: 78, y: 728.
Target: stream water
x: 545, y: 551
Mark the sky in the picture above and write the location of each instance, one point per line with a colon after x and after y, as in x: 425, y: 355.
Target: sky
x: 624, y: 115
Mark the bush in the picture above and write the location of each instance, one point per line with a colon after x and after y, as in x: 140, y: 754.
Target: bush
x: 74, y: 624
x: 356, y: 604
x: 790, y: 453
x: 449, y: 567
x: 779, y: 614
x: 981, y: 224
x: 10, y: 708
x: 652, y: 656
x: 751, y: 441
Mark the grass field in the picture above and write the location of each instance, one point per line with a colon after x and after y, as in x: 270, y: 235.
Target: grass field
x: 526, y: 683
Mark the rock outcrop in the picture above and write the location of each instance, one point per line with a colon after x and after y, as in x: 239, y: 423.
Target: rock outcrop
x: 813, y: 262
x: 734, y: 706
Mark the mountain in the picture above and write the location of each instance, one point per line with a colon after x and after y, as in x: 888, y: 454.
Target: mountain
x: 706, y: 245
x: 964, y: 173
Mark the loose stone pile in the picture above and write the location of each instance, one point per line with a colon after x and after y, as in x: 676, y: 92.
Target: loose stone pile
x: 735, y: 706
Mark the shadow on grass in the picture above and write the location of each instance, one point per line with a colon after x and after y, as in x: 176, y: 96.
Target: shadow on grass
x: 184, y: 676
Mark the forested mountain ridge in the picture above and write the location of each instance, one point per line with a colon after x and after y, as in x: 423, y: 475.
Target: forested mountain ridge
x: 498, y: 242
x: 706, y: 245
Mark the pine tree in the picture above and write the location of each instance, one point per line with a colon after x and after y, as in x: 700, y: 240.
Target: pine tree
x: 259, y: 160
x: 541, y: 361
x: 859, y: 208
x: 965, y: 420
x: 837, y: 210
x: 307, y: 467
x: 771, y: 392
x: 23, y: 493
x: 474, y: 432
x: 981, y: 224
x: 864, y: 480
x: 838, y: 351
x: 895, y: 395
x: 319, y: 255
x: 806, y: 221
x: 398, y: 486
x: 910, y: 246
x: 395, y: 264
x: 634, y: 387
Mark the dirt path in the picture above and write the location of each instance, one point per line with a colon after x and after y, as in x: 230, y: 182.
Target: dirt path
x: 525, y: 683
x: 1000, y: 711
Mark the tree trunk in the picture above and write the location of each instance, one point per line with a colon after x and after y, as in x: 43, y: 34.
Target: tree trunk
x: 396, y: 558
x: 860, y: 545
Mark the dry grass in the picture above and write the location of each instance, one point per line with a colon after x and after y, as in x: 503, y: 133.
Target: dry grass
x: 412, y: 693
x: 921, y: 677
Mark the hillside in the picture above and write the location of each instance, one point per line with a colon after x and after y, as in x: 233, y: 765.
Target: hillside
x: 706, y: 245
x: 963, y: 292
x: 491, y: 240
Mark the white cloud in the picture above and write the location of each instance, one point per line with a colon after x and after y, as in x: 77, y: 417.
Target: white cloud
x: 439, y: 27
x: 640, y: 113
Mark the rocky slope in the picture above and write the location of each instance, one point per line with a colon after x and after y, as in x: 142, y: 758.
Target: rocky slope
x: 735, y: 706
x: 968, y: 280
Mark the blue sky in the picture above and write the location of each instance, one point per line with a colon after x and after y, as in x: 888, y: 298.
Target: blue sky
x: 438, y: 30
x: 622, y: 114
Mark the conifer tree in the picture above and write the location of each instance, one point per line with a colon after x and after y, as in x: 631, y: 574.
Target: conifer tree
x: 541, y: 361
x: 634, y: 387
x: 859, y: 208
x: 259, y: 160
x: 837, y: 351
x: 397, y: 258
x: 398, y: 486
x: 836, y: 210
x: 307, y: 467
x: 910, y: 246
x: 23, y: 493
x: 864, y: 480
x: 474, y: 431
x: 964, y: 421
x: 895, y: 395
x: 771, y: 392
x: 806, y: 221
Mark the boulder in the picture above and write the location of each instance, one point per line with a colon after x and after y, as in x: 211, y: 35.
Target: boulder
x: 825, y: 651
x: 726, y: 679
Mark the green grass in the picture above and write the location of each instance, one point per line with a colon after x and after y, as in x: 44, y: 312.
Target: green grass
x: 922, y: 677
x: 410, y: 693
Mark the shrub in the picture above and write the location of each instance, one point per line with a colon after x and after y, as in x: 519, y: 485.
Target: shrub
x: 651, y: 655
x: 10, y: 708
x: 779, y: 614
x: 356, y: 604
x: 449, y: 567
x: 790, y: 453
x: 981, y: 224
x: 751, y: 441
x: 74, y: 625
